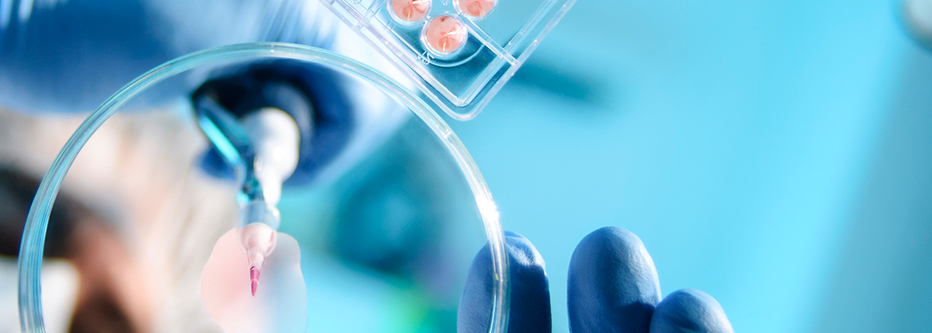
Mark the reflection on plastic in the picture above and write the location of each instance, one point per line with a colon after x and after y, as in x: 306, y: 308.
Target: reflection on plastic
x: 280, y: 305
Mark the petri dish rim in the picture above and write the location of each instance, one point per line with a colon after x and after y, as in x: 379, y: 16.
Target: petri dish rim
x: 30, y: 260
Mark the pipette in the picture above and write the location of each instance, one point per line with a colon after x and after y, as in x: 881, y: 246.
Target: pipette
x: 262, y: 148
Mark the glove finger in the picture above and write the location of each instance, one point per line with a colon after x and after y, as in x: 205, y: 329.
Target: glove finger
x: 689, y: 310
x: 612, y: 284
x: 530, y: 290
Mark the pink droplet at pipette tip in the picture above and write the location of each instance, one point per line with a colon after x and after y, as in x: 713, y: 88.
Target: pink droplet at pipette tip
x: 254, y: 278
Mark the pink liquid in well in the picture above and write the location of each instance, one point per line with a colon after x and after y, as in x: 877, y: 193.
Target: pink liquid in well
x: 410, y: 10
x: 445, y: 34
x: 476, y: 8
x: 228, y: 282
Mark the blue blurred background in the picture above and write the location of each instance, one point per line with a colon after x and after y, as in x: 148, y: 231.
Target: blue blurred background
x: 775, y: 154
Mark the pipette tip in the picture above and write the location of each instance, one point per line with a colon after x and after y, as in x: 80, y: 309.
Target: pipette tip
x: 254, y: 278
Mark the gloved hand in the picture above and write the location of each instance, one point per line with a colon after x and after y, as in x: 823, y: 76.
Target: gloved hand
x: 612, y: 287
x: 311, y: 94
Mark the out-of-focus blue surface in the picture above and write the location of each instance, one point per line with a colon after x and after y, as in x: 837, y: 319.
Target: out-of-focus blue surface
x: 774, y: 154
x: 68, y: 56
x: 746, y: 143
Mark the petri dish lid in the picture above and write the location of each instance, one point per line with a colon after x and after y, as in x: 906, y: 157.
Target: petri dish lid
x: 456, y: 161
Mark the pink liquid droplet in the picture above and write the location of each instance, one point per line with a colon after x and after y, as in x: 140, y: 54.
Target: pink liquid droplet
x: 445, y: 34
x: 254, y: 278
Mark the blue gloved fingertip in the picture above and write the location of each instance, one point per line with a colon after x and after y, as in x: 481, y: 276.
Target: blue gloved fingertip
x: 529, y: 290
x: 689, y: 310
x: 612, y: 284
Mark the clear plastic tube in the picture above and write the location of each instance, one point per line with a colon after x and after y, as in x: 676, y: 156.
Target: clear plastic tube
x: 30, y: 259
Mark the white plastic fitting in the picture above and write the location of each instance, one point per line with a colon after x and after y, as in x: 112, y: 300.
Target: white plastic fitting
x: 276, y: 139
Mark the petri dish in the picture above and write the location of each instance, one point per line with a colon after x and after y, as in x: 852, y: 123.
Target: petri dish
x: 387, y: 229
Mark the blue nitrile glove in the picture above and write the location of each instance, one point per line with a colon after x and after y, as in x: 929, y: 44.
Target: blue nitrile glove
x: 612, y: 287
x: 311, y: 94
x: 530, y: 290
x: 69, y: 56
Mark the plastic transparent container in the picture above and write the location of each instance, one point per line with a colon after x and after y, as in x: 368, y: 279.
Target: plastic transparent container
x: 477, y: 196
x: 463, y: 81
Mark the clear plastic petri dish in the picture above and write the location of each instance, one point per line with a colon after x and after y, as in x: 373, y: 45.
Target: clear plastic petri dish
x: 387, y: 228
